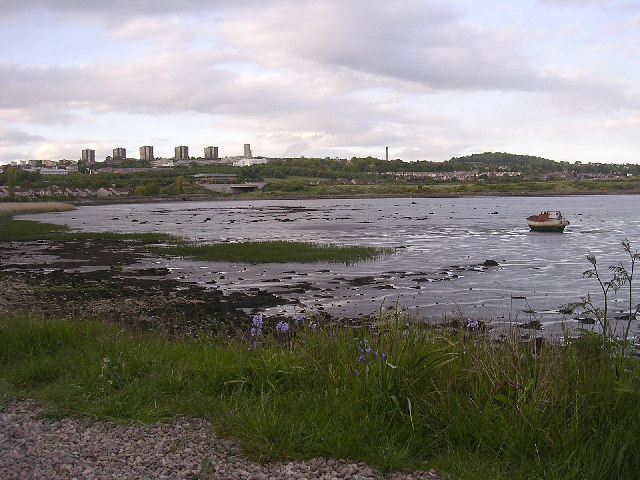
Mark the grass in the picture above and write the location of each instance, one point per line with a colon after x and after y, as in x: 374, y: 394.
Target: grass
x: 17, y: 208
x: 12, y: 230
x: 460, y: 403
x: 274, y: 252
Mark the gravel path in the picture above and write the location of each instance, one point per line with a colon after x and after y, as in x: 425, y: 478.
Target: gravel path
x: 71, y: 448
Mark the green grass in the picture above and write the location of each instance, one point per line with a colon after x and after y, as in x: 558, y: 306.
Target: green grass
x: 467, y: 406
x: 274, y: 252
x: 12, y: 230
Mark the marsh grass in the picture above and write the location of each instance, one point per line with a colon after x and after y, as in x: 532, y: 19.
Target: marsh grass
x: 12, y: 230
x: 274, y: 252
x: 398, y: 398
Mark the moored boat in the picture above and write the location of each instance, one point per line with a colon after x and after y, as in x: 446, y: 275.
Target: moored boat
x: 547, y: 221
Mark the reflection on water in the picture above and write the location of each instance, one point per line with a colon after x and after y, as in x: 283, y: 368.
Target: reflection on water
x: 440, y: 245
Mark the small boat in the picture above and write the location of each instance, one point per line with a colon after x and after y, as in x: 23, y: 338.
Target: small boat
x: 549, y: 221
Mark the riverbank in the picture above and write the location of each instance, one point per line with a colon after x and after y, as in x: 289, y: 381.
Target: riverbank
x: 393, y: 396
x: 363, y: 195
x: 91, y: 327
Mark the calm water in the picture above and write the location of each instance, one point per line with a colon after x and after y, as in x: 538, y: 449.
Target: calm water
x: 439, y: 245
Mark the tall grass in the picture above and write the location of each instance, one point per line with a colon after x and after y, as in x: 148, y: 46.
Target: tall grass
x: 17, y: 208
x: 274, y: 252
x: 397, y: 397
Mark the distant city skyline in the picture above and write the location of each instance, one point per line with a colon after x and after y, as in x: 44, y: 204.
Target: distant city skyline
x: 429, y: 79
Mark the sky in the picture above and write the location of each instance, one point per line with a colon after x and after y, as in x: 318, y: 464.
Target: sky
x: 431, y: 80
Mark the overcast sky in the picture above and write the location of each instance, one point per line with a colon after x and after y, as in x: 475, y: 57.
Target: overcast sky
x: 429, y: 79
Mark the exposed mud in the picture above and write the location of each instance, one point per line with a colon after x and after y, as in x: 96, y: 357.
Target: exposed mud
x: 108, y: 280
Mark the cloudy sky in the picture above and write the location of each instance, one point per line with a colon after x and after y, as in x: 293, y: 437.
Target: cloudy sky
x: 340, y: 78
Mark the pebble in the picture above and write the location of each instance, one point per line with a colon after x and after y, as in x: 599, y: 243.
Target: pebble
x: 40, y: 448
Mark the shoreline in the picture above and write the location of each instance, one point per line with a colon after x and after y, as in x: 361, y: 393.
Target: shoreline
x: 250, y: 197
x: 253, y: 197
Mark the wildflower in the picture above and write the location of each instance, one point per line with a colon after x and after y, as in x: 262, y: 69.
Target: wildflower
x: 384, y: 355
x: 256, y: 331
x: 298, y: 318
x: 364, y: 347
x: 282, y: 327
x: 356, y: 371
x: 472, y: 323
x: 362, y: 358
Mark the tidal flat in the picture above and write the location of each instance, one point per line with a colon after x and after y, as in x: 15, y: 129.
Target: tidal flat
x: 438, y: 269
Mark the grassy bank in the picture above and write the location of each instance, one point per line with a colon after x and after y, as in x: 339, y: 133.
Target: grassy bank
x: 274, y: 252
x: 394, y: 397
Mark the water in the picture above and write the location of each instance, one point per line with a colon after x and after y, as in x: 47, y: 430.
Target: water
x: 440, y: 245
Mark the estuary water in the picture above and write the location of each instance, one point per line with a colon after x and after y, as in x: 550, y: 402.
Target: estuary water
x: 441, y: 245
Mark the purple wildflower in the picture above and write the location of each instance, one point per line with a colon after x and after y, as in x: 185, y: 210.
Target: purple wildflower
x: 298, y: 318
x: 472, y: 323
x: 282, y: 327
x: 257, y: 321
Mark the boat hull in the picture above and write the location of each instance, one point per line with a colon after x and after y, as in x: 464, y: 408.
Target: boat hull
x: 546, y: 228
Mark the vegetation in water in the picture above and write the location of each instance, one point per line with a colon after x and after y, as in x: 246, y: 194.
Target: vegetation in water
x: 274, y: 252
x: 12, y: 230
x: 621, y: 277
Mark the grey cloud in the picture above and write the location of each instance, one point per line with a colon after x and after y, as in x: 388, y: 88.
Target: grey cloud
x: 11, y: 136
x: 423, y: 42
x: 119, y: 7
x: 177, y: 86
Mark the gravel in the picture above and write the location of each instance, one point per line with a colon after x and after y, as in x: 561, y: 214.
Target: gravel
x: 71, y: 448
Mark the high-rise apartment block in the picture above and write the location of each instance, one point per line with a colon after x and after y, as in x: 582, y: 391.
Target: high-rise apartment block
x: 146, y: 153
x: 181, y: 153
x: 89, y: 156
x: 211, y: 153
x: 119, y: 154
x: 247, y: 150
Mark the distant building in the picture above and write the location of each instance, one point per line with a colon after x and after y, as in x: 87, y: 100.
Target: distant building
x: 181, y: 153
x: 247, y: 150
x: 53, y: 171
x: 89, y: 156
x: 245, y: 162
x: 162, y: 162
x: 146, y: 153
x: 119, y: 154
x: 211, y: 153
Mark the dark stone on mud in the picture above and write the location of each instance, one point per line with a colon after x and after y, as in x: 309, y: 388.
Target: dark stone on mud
x: 160, y: 271
x: 532, y: 325
x: 490, y: 263
x: 587, y: 320
x: 359, y: 281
